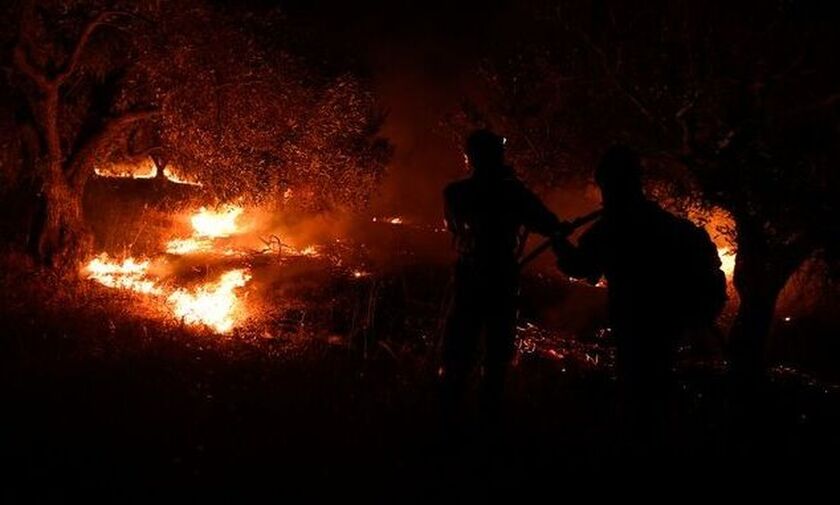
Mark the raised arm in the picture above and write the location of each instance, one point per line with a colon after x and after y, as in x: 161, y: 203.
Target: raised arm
x: 535, y: 215
x: 580, y: 261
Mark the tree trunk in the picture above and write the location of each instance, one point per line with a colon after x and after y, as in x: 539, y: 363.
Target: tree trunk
x: 750, y: 331
x: 761, y: 272
x: 60, y: 236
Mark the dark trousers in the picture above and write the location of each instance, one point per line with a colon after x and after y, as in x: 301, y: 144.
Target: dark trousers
x: 484, y: 305
x: 644, y: 360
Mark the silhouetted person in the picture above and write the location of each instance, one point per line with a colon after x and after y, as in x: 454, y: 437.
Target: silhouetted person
x: 663, y: 277
x: 486, y: 212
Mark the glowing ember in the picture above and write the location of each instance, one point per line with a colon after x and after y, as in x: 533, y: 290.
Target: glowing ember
x: 389, y: 220
x: 215, y: 304
x: 129, y: 274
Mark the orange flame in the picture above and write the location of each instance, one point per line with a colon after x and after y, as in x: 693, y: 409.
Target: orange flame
x: 141, y: 169
x: 130, y: 274
x: 214, y: 224
x: 181, y: 246
x: 309, y: 250
x: 727, y: 260
x: 178, y: 178
x: 214, y: 304
x: 207, y: 225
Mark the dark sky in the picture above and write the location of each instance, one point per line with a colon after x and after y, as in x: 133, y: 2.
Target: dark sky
x: 421, y: 56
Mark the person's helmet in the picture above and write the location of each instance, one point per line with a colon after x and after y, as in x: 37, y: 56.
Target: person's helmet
x: 619, y: 172
x: 485, y: 148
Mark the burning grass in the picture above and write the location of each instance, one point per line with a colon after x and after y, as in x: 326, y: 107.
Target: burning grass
x: 220, y: 276
x: 216, y: 304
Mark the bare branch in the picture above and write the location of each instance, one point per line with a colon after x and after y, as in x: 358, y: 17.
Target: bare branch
x: 21, y: 58
x: 826, y: 103
x: 613, y: 77
x: 687, y: 144
x: 81, y: 43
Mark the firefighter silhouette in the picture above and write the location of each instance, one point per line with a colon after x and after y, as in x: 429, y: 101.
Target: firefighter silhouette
x: 486, y: 213
x: 663, y: 276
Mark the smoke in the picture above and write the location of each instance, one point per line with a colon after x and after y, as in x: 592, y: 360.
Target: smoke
x: 422, y: 59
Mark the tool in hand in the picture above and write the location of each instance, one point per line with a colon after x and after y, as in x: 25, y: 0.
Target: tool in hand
x: 571, y: 227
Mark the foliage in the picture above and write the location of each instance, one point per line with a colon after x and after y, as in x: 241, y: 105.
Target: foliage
x: 221, y: 102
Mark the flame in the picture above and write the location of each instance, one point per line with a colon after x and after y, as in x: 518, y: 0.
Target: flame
x: 727, y: 261
x: 173, y: 176
x: 130, y: 274
x: 214, y: 224
x: 309, y: 250
x: 141, y: 169
x: 214, y: 304
x: 207, y: 225
x: 181, y: 246
x: 719, y: 224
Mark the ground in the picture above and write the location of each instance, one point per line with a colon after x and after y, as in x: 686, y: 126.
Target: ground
x: 102, y: 403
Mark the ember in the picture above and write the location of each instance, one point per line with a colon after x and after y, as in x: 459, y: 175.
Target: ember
x: 389, y: 220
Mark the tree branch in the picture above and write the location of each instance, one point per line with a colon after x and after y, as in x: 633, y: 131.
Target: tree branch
x: 687, y: 141
x: 826, y: 103
x: 21, y: 58
x: 73, y: 61
x: 20, y: 55
x: 613, y: 77
x: 80, y: 164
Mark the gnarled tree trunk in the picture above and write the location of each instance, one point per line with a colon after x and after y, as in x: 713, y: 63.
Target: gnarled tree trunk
x: 59, y: 237
x: 761, y: 272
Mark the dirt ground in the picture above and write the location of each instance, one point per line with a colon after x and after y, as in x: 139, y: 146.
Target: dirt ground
x: 104, y: 404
